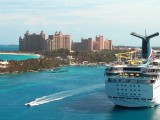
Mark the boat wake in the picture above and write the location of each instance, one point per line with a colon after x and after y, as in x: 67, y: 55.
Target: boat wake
x: 64, y: 94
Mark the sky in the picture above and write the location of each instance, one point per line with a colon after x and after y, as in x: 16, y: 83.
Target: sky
x: 114, y: 19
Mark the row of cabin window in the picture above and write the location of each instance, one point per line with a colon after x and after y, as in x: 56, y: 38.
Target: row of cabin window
x: 129, y: 85
x: 132, y: 81
x: 130, y: 94
x: 130, y: 89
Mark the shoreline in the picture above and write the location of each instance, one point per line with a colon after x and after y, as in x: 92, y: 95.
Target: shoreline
x: 39, y: 70
x: 20, y: 53
x: 29, y: 71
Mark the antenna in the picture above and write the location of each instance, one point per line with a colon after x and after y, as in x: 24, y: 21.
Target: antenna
x: 145, y: 32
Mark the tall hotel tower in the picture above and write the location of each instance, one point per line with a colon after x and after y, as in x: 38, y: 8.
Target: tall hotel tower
x: 32, y: 42
x: 58, y: 41
x: 108, y: 44
x: 99, y: 42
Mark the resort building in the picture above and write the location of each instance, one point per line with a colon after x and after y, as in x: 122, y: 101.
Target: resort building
x: 58, y: 41
x: 85, y: 44
x: 32, y: 42
x: 37, y: 42
x: 108, y: 44
x: 76, y: 46
x: 99, y: 43
x: 90, y: 44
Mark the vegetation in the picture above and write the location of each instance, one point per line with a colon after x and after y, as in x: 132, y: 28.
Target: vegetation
x: 63, y: 53
x: 30, y: 65
x: 56, y: 58
x: 90, y: 56
x: 97, y: 56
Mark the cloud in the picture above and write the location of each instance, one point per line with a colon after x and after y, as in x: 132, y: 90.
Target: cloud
x: 31, y: 20
x: 32, y: 12
x: 93, y: 16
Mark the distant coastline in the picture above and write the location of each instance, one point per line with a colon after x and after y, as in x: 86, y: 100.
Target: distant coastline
x: 9, y: 45
x: 19, y: 53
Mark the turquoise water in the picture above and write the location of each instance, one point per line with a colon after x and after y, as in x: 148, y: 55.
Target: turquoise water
x: 9, y: 48
x: 78, y: 93
x: 17, y: 56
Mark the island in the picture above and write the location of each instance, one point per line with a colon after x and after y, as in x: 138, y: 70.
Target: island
x: 55, y: 59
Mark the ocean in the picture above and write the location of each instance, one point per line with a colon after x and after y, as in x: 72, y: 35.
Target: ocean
x: 14, y: 48
x: 71, y: 93
x: 9, y: 47
x: 5, y: 56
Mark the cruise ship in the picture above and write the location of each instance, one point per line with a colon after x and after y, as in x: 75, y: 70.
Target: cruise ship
x: 135, y: 82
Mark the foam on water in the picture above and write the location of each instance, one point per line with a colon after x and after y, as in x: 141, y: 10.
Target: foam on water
x: 64, y: 94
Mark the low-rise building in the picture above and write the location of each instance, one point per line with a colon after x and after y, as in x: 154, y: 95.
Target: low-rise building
x: 90, y: 44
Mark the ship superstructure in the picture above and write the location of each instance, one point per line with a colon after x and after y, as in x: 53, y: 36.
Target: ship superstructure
x: 137, y: 82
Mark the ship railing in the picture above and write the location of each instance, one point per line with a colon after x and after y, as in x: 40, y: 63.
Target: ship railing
x: 112, y: 71
x: 132, y: 81
x: 133, y: 76
x: 154, y: 73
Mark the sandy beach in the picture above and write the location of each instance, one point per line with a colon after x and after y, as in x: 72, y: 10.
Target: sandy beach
x: 14, y: 53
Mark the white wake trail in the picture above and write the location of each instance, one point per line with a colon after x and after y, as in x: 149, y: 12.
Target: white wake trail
x: 64, y: 94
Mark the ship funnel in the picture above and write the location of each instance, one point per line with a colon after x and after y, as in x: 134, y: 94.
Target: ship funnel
x: 146, y: 49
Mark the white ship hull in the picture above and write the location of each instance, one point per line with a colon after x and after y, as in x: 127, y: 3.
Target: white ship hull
x: 133, y: 95
x: 134, y: 103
